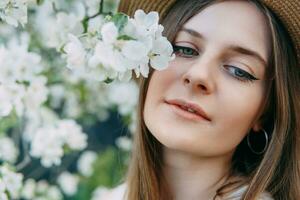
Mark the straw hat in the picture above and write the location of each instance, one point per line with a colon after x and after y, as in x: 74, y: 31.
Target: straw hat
x: 287, y: 10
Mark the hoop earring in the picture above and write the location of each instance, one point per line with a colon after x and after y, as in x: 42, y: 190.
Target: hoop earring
x: 265, y: 147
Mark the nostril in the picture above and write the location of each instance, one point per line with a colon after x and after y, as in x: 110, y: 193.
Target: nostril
x: 202, y: 87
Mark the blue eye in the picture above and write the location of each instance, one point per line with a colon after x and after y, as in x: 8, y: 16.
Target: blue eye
x: 186, y: 52
x: 239, y: 73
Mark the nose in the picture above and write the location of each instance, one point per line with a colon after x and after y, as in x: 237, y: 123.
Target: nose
x: 200, y: 76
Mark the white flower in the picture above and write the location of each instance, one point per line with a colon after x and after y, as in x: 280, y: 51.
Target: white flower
x: 124, y: 95
x: 42, y: 186
x: 92, y: 6
x: 6, y: 105
x: 135, y: 50
x: 36, y: 93
x: 44, y: 191
x: 21, y: 85
x: 72, y: 107
x: 14, y: 11
x: 17, y: 63
x: 119, y: 52
x: 50, y: 150
x: 12, y: 181
x: 85, y: 163
x: 124, y: 143
x: 147, y: 23
x: 72, y: 134
x: 3, y: 195
x: 28, y: 190
x: 54, y: 193
x: 36, y: 120
x: 8, y: 150
x: 75, y: 53
x: 68, y: 183
x: 95, y: 24
x: 109, y: 33
x: 108, y: 57
x: 47, y: 144
x: 161, y: 53
x: 61, y: 25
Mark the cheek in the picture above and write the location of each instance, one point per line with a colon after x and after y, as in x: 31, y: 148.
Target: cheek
x: 160, y: 83
x: 238, y: 112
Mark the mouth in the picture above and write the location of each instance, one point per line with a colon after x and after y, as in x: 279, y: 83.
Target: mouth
x: 188, y: 110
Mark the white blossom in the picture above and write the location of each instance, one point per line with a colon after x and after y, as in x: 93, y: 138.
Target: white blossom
x: 124, y: 95
x: 3, y: 195
x: 92, y: 6
x: 75, y: 53
x: 72, y: 108
x: 28, y: 190
x: 11, y: 180
x: 72, y: 134
x: 21, y: 85
x: 85, y: 163
x: 14, y: 11
x: 68, y: 183
x: 53, y: 193
x: 161, y: 53
x: 146, y: 23
x: 8, y: 150
x: 37, y: 119
x: 36, y: 93
x: 124, y: 143
x: 95, y: 24
x: 6, y: 105
x: 62, y: 24
x: 47, y: 144
x: 47, y: 192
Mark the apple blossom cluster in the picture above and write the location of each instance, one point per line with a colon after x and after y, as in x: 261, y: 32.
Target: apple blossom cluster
x: 14, y: 11
x: 120, y: 46
x: 40, y: 190
x: 10, y: 183
x: 49, y: 142
x: 22, y: 88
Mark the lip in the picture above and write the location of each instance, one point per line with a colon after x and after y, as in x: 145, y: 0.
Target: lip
x: 179, y: 103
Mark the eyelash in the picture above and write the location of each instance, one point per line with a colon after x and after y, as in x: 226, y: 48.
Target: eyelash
x: 237, y: 73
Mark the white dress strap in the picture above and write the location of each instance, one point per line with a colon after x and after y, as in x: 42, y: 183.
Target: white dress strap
x: 237, y: 194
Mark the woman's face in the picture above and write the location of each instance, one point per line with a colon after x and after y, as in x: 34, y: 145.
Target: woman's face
x: 220, y: 65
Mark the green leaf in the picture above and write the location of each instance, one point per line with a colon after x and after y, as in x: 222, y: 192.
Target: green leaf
x: 120, y: 20
x: 125, y: 37
x: 8, y: 122
x: 39, y: 2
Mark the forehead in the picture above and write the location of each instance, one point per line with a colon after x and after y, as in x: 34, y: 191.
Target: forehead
x: 235, y: 22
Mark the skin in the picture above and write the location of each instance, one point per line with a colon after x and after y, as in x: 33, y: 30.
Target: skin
x: 197, y: 154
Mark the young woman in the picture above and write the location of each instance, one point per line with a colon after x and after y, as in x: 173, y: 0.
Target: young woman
x: 223, y: 120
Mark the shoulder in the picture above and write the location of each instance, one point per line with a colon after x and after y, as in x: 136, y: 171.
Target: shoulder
x: 117, y: 193
x: 236, y: 195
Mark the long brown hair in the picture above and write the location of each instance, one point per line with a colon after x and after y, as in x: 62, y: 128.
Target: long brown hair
x: 275, y: 171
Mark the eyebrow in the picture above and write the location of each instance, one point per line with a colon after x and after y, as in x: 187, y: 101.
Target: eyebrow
x: 234, y: 48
